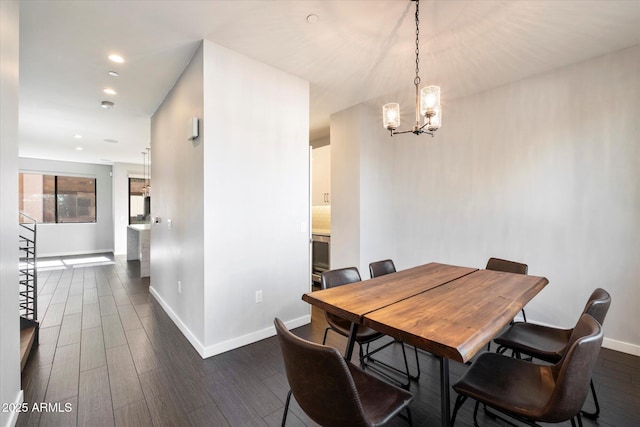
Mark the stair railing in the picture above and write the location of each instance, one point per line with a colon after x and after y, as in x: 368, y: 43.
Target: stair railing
x: 28, y: 269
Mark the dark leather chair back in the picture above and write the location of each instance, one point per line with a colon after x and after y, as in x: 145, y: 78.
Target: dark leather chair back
x: 380, y: 268
x: 598, y: 305
x: 341, y: 276
x: 320, y: 381
x: 497, y: 264
x: 573, y: 373
x: 331, y: 279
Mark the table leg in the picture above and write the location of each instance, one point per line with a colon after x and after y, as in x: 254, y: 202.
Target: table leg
x: 445, y: 410
x: 351, y: 341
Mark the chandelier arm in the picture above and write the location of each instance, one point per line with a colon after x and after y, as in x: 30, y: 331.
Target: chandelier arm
x: 397, y: 132
x: 414, y: 131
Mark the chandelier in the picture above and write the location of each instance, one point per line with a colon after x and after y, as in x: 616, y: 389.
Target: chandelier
x: 146, y: 164
x: 427, y: 100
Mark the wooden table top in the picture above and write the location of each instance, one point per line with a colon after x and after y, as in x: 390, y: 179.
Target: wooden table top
x: 459, y: 318
x: 354, y: 301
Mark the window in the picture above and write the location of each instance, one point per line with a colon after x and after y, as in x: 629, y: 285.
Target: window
x: 136, y: 201
x: 57, y: 199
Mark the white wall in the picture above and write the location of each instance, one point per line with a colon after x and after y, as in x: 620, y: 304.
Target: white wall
x: 256, y: 198
x: 545, y: 171
x: 237, y: 197
x: 71, y: 239
x: 346, y: 141
x: 177, y: 254
x: 121, y: 173
x: 363, y: 227
x: 9, y: 325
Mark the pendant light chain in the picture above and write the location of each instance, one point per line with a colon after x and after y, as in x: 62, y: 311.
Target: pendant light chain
x: 416, y: 81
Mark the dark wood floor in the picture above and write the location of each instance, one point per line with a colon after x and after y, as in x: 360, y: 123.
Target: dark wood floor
x: 110, y: 353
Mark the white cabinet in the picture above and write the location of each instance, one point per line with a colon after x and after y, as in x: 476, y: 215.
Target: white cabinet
x: 321, y: 176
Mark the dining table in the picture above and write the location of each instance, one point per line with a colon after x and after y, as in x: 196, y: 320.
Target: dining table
x: 449, y: 311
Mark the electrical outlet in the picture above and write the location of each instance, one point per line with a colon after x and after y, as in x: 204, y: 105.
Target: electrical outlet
x: 179, y: 287
x: 258, y: 297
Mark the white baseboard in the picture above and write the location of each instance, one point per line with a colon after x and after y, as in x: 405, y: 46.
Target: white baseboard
x: 13, y: 416
x: 231, y: 344
x: 621, y: 346
x: 74, y: 253
x: 228, y: 345
x: 195, y: 342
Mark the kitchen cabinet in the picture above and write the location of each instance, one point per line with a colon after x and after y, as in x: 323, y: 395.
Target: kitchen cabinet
x: 321, y: 176
x: 138, y: 246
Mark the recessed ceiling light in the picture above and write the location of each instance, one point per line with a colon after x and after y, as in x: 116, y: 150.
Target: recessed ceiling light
x: 116, y: 58
x: 111, y: 141
x: 109, y: 91
x: 113, y: 73
x: 76, y: 136
x: 79, y: 148
x: 313, y: 18
x: 107, y: 105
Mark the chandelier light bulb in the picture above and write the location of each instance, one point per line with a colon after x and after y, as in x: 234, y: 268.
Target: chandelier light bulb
x: 391, y: 116
x: 434, y: 122
x: 429, y: 100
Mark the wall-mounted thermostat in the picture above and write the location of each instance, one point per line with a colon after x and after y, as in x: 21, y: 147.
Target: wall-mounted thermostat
x: 193, y: 128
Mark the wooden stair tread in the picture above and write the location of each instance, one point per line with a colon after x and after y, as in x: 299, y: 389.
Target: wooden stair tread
x: 27, y: 336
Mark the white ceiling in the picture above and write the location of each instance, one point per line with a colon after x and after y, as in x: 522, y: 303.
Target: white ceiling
x: 356, y: 51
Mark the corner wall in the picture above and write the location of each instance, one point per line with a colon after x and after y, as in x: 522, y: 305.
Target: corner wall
x: 10, y: 391
x: 237, y: 198
x: 177, y: 252
x: 256, y: 198
x: 363, y: 213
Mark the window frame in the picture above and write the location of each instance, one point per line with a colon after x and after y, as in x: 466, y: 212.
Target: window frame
x: 56, y: 198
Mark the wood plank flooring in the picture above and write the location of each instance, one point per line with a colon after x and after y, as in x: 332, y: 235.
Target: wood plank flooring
x: 110, y: 353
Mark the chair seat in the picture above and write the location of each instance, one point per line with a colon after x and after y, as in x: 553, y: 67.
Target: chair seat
x: 343, y: 327
x: 380, y: 400
x: 506, y: 383
x: 539, y: 341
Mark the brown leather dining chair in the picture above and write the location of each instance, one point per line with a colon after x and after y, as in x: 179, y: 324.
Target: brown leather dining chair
x: 365, y: 336
x: 550, y: 344
x: 498, y: 264
x: 333, y: 391
x: 381, y: 268
x: 533, y: 392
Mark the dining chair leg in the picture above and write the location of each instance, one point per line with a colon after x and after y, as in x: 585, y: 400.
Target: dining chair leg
x: 459, y: 402
x: 415, y: 350
x: 475, y: 414
x: 286, y: 409
x: 593, y: 415
x: 363, y: 364
x: 409, y: 420
x: 324, y: 339
x: 371, y: 365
